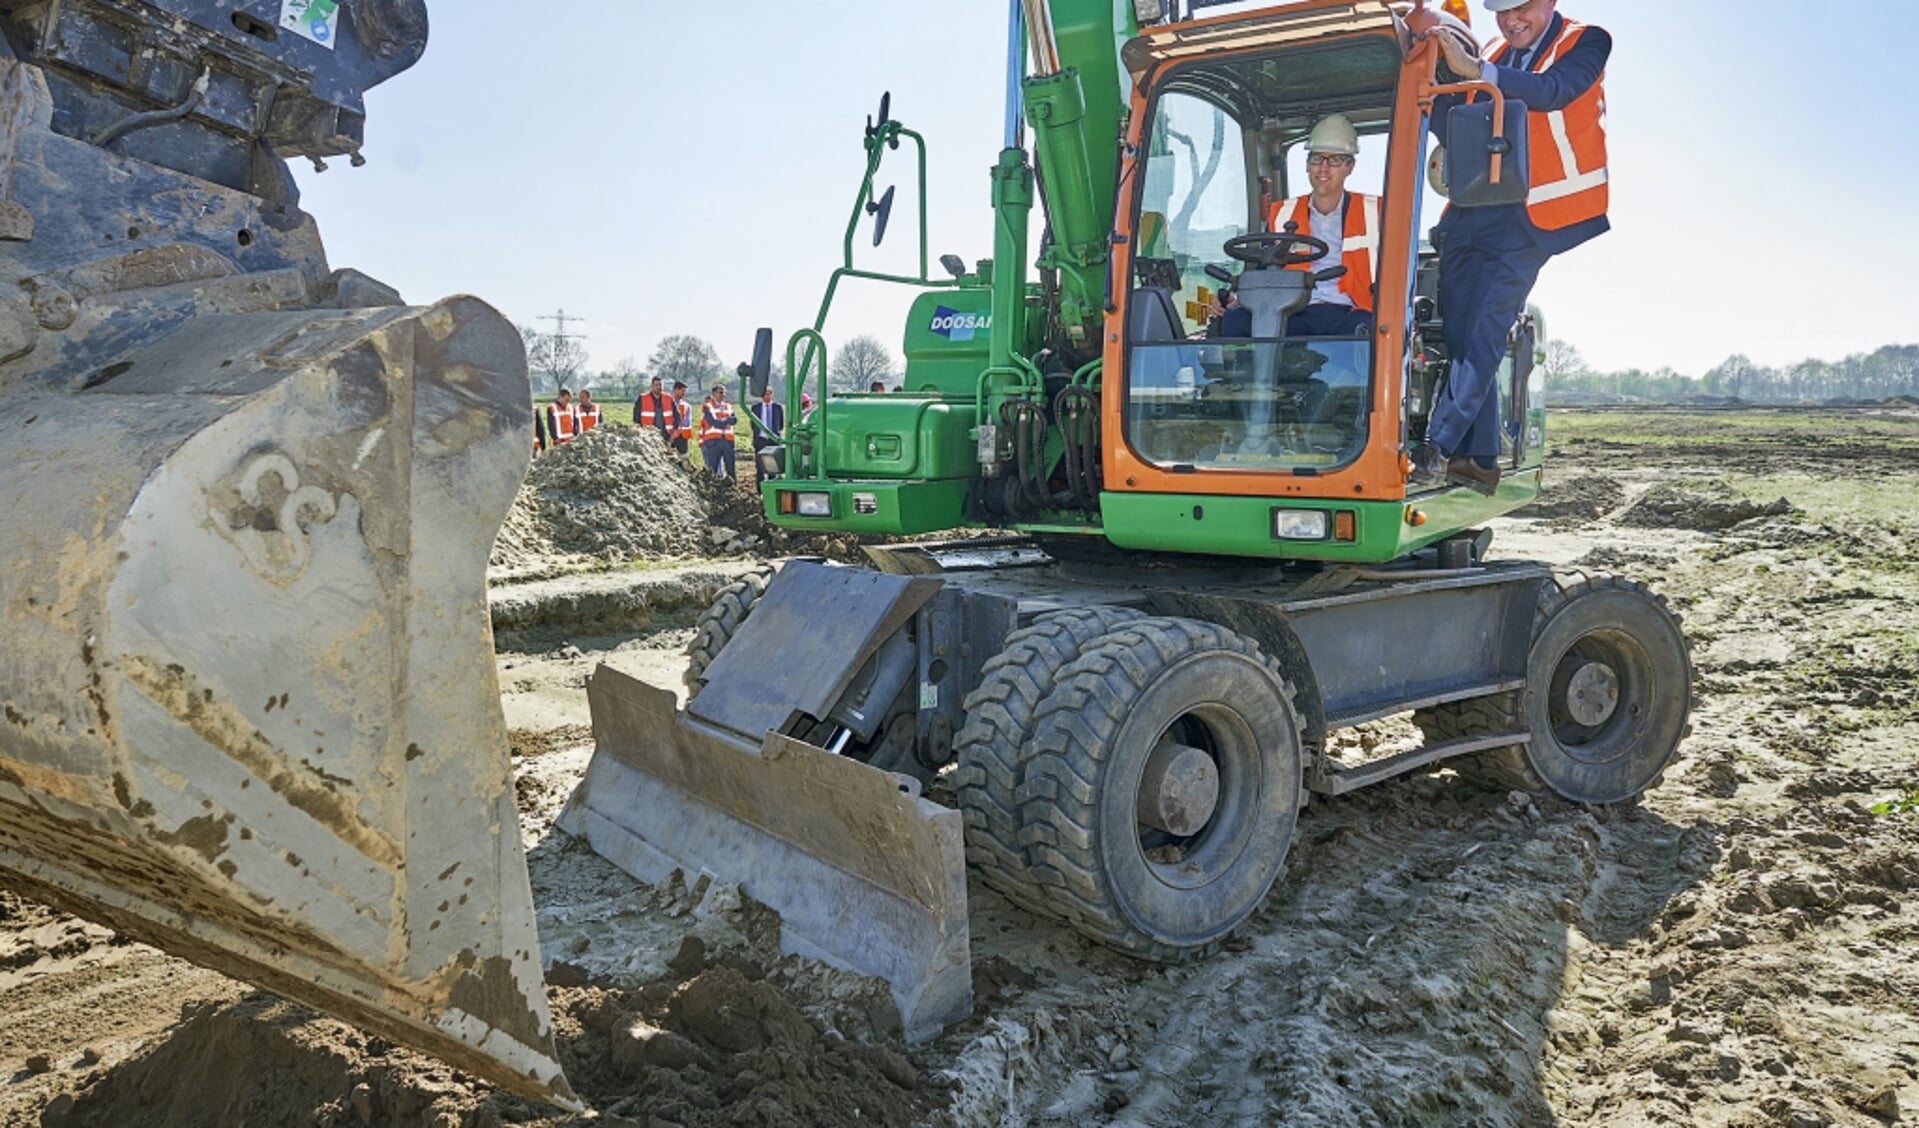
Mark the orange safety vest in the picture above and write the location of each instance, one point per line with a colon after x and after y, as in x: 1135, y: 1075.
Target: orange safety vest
x: 589, y: 418
x: 652, y: 409
x: 682, y: 420
x: 565, y: 425
x: 1568, y: 147
x: 1359, y: 245
x: 716, y: 421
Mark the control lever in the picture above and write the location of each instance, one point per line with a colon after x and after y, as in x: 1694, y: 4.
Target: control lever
x: 1219, y: 273
x: 1328, y: 274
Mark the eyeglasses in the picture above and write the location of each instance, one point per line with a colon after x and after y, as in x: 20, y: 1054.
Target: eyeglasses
x: 1318, y: 160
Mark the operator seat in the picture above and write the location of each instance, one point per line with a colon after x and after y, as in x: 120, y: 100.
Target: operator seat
x: 1155, y: 320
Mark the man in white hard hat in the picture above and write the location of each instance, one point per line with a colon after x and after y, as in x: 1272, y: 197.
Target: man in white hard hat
x: 1348, y: 222
x: 1489, y: 258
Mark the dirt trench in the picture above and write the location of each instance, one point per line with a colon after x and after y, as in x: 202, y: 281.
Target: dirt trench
x: 1735, y: 949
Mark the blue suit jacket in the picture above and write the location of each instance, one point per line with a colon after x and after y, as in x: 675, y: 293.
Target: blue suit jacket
x: 1555, y: 88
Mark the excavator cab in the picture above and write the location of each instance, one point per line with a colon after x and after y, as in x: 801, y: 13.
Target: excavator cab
x: 1218, y: 145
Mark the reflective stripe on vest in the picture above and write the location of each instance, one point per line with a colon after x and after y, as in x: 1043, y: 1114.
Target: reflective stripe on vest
x: 716, y: 422
x: 589, y: 418
x: 1569, y: 181
x: 652, y: 411
x: 565, y: 424
x: 683, y: 415
x: 1359, y: 246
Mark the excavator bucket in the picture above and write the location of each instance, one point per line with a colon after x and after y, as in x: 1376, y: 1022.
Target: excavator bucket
x: 249, y: 700
x: 248, y: 710
x: 864, y: 873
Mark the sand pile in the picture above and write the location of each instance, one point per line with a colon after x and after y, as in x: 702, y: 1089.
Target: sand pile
x: 615, y: 493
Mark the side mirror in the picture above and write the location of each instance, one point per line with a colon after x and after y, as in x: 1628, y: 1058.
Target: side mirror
x: 759, y: 372
x: 881, y: 213
x: 955, y: 265
x: 1469, y: 153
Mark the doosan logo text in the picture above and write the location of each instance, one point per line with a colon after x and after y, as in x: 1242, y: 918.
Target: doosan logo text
x: 957, y: 326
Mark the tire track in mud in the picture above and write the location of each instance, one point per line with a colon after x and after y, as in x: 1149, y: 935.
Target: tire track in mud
x: 1389, y: 978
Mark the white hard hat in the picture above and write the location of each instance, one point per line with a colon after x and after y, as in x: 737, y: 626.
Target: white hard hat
x: 1503, y: 5
x: 1333, y: 134
x: 1436, y: 171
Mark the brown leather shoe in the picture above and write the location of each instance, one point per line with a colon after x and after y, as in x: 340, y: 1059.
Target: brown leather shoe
x: 1479, y: 479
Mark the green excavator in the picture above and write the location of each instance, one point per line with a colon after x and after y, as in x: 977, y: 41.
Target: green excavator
x: 248, y: 707
x: 1172, y: 563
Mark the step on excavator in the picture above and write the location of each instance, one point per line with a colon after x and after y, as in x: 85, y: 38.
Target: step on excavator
x: 1114, y: 715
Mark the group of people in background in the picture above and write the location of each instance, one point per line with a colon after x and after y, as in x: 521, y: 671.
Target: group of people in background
x: 564, y: 420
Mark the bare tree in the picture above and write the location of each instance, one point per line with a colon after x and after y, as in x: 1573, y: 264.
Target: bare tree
x: 859, y: 362
x: 553, y: 361
x: 1563, y: 360
x: 688, y: 358
x: 623, y: 381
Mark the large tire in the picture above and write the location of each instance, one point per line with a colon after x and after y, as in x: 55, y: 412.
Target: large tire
x: 1627, y: 630
x: 1608, y: 689
x: 991, y: 749
x: 717, y: 624
x: 1501, y: 769
x: 1148, y: 683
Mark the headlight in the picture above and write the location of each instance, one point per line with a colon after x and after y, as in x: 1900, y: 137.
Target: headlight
x: 816, y: 505
x: 1299, y: 524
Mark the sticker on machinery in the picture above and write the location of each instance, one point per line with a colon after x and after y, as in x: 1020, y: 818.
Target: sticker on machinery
x: 318, y: 20
x: 957, y: 326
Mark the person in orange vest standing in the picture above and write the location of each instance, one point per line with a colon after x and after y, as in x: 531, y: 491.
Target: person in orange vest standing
x: 1490, y: 257
x: 716, y: 432
x: 1349, y: 225
x: 587, y: 411
x: 562, y: 419
x: 682, y: 419
x: 656, y: 411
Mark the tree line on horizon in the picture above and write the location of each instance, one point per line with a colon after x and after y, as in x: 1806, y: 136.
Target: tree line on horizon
x: 555, y: 361
x: 1886, y: 373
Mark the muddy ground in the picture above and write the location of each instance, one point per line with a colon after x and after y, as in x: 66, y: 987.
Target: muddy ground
x: 1736, y: 949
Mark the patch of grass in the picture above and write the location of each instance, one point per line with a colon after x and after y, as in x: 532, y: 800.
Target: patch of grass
x: 1680, y: 427
x: 1906, y: 804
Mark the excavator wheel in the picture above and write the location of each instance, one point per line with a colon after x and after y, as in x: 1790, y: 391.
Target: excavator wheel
x: 1608, y: 689
x: 991, y: 749
x: 717, y: 623
x: 1608, y: 693
x: 1497, y: 769
x: 1163, y: 786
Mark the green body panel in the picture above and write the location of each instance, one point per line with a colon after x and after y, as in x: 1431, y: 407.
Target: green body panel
x: 900, y: 509
x: 949, y: 341
x: 899, y: 437
x: 1089, y: 35
x: 1243, y: 526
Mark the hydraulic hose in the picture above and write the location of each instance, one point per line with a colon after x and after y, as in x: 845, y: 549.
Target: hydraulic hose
x: 132, y: 122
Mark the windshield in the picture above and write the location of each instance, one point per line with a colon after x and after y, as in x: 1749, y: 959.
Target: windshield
x: 1249, y: 405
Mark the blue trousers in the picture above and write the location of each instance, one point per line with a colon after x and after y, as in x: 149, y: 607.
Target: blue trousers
x: 1323, y: 319
x: 1488, y: 262
x: 718, y: 454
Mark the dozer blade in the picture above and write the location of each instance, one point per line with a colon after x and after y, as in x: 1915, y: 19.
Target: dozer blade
x: 247, y: 680
x: 864, y: 873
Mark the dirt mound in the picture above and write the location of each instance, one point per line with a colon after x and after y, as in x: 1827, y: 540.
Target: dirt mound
x: 1583, y: 497
x: 1712, y: 505
x: 615, y: 493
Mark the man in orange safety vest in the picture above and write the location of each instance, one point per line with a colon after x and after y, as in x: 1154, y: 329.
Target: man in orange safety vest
x: 1347, y: 222
x: 1489, y: 257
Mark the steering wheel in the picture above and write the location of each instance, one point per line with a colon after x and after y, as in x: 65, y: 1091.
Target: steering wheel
x: 1276, y: 248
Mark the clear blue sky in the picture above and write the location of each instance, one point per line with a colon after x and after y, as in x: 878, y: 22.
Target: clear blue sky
x: 689, y: 168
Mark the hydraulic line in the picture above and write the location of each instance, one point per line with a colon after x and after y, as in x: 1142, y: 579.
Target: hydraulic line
x: 132, y: 122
